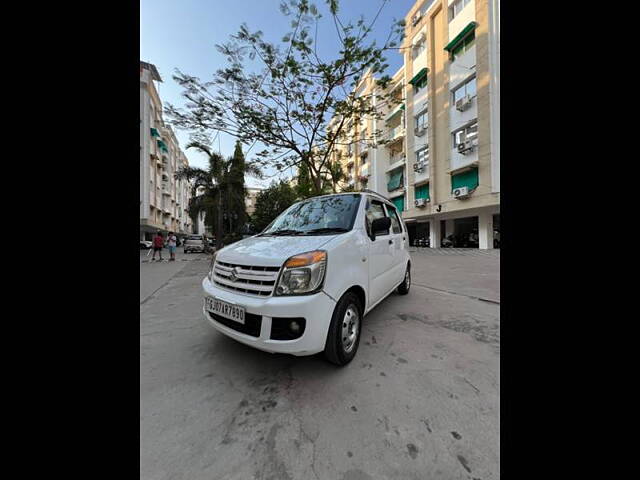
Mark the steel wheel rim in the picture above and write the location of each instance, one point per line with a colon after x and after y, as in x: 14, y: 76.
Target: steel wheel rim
x: 350, y: 328
x: 407, y: 279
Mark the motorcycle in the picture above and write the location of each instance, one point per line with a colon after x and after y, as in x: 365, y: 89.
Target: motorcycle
x: 422, y: 242
x: 448, y: 242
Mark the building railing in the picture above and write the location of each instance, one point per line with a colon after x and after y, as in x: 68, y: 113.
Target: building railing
x: 396, y: 132
x: 399, y: 157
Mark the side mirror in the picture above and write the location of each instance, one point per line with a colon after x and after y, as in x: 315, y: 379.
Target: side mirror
x: 380, y: 225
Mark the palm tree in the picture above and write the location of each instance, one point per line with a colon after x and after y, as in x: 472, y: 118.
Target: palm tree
x: 223, y: 184
x: 335, y: 175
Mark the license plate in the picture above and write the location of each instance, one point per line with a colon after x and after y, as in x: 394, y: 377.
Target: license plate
x: 224, y: 309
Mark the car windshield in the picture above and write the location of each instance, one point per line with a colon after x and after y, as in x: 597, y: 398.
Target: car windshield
x: 194, y: 238
x: 317, y: 216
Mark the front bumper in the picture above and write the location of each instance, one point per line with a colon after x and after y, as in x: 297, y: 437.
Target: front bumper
x: 317, y: 309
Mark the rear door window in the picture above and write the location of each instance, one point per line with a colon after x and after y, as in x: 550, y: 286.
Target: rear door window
x: 396, y: 225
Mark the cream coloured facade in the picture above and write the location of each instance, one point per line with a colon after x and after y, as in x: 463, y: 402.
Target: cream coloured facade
x: 250, y: 199
x: 441, y: 163
x: 163, y: 199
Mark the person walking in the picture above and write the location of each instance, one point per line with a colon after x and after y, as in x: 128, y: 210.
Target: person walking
x: 158, y: 244
x: 172, y: 241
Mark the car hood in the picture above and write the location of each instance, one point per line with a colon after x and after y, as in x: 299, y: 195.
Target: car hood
x: 270, y: 251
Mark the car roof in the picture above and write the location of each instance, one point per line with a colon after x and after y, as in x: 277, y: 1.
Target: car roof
x: 362, y: 192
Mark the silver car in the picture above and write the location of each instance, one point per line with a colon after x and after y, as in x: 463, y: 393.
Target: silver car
x: 194, y: 243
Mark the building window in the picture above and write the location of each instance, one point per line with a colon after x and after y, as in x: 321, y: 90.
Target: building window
x: 457, y: 7
x: 421, y: 120
x: 395, y: 180
x: 464, y: 46
x: 420, y: 85
x: 422, y: 155
x: 466, y: 88
x: 470, y: 132
x: 418, y: 49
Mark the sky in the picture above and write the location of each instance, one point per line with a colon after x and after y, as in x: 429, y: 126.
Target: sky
x: 183, y: 33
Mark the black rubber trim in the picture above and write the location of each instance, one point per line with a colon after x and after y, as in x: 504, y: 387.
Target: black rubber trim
x: 280, y: 328
x: 251, y: 326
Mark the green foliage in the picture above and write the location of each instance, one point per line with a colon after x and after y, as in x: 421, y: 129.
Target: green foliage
x: 271, y: 202
x: 287, y: 104
x: 304, y: 186
x: 223, y: 200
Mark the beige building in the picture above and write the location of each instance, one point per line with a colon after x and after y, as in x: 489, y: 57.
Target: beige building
x: 250, y: 199
x: 441, y: 162
x: 163, y: 199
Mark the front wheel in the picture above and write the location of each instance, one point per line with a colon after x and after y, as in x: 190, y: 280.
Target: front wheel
x: 344, y: 332
x: 404, y: 287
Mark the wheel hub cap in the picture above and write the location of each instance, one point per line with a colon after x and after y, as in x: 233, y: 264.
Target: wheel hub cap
x: 350, y: 326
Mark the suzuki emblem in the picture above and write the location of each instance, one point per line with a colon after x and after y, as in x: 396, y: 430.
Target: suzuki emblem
x: 234, y: 274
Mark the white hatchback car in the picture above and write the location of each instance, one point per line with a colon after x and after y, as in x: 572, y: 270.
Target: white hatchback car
x: 303, y: 285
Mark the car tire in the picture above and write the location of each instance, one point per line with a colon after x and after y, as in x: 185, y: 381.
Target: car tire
x: 404, y: 287
x: 345, y: 330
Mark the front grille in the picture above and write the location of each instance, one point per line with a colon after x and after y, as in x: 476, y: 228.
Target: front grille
x: 251, y: 326
x: 253, y: 280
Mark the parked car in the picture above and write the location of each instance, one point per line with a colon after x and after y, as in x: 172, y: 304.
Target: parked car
x: 194, y: 243
x: 145, y: 244
x: 304, y: 284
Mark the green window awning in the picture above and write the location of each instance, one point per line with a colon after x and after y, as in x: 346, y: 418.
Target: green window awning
x: 465, y: 31
x: 162, y: 145
x: 395, y: 180
x: 422, y: 191
x: 465, y: 179
x: 399, y: 203
x: 154, y: 133
x: 422, y: 74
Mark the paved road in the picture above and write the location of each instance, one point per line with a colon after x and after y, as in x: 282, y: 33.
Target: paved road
x: 155, y: 274
x: 420, y: 400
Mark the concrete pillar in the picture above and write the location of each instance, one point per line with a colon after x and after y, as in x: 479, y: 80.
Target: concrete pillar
x: 434, y: 233
x: 485, y: 230
x: 448, y: 227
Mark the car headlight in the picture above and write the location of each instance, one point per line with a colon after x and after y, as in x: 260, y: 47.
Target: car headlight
x: 303, y: 274
x: 213, y: 262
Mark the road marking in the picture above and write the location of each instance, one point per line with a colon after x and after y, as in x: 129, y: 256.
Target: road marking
x: 497, y: 302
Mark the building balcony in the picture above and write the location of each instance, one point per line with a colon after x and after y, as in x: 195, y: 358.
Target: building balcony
x: 396, y: 161
x: 363, y: 148
x: 395, y: 111
x: 395, y: 134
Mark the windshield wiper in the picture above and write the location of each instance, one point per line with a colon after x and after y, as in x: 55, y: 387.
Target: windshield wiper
x: 285, y: 232
x: 327, y: 230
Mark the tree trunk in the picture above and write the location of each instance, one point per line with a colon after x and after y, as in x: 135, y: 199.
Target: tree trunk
x: 219, y: 222
x: 317, y: 182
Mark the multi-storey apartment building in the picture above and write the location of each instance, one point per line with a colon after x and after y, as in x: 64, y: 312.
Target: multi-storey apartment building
x: 250, y: 199
x: 163, y: 199
x: 440, y: 164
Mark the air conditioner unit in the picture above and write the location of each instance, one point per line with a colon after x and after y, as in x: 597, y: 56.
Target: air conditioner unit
x: 416, y: 18
x: 419, y: 131
x: 461, y: 192
x: 466, y: 146
x: 463, y: 103
x: 421, y: 202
